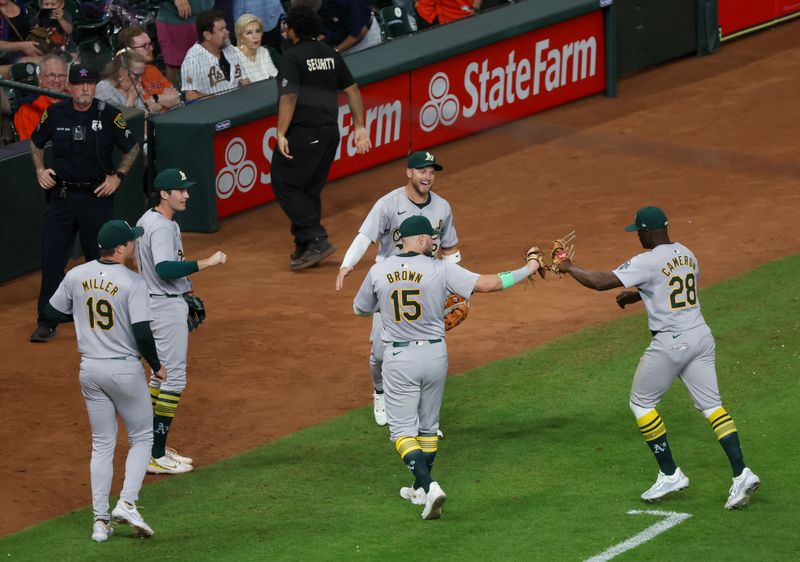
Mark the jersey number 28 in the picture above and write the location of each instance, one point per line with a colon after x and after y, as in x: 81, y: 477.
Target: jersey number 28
x: 406, y: 306
x: 101, y: 313
x: 684, y: 291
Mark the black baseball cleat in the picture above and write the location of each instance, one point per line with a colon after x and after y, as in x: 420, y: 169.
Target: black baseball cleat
x: 43, y: 334
x: 316, y: 251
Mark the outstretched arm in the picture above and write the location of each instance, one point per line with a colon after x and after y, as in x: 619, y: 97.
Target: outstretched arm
x: 597, y: 280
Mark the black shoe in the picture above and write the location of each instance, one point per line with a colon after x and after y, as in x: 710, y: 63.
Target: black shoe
x: 316, y: 251
x: 298, y: 251
x: 43, y: 334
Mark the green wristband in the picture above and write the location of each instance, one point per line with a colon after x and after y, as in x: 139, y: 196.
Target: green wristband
x: 507, y: 278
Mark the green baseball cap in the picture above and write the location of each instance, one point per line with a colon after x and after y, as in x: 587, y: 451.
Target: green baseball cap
x: 117, y: 233
x: 423, y: 159
x: 416, y: 225
x: 172, y: 178
x: 648, y: 218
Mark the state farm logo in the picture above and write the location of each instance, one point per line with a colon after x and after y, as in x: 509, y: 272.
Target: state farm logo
x: 442, y: 107
x: 238, y: 173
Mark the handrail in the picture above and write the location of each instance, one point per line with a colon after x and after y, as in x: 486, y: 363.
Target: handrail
x: 33, y: 89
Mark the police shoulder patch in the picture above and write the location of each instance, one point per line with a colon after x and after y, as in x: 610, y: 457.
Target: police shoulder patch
x: 44, y: 117
x: 120, y: 122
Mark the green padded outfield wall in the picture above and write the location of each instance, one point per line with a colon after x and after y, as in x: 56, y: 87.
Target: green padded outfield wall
x: 21, y: 227
x: 184, y: 137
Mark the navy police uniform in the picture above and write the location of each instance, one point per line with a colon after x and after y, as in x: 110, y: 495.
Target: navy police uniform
x: 83, y: 144
x: 315, y: 73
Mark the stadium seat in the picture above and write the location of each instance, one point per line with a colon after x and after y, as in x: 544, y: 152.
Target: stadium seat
x: 25, y: 72
x: 395, y: 21
x: 95, y: 53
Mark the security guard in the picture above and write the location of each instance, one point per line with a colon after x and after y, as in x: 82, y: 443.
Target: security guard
x: 80, y: 184
x: 309, y: 80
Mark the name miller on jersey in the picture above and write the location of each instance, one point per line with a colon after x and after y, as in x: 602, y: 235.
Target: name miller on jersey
x: 405, y: 275
x: 101, y: 284
x: 677, y: 262
x: 327, y: 63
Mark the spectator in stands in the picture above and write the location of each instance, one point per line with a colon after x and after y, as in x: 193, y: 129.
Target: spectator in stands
x: 52, y: 15
x: 175, y: 26
x: 349, y: 25
x: 121, y: 83
x: 212, y: 65
x: 257, y: 60
x: 14, y: 31
x: 271, y: 14
x: 52, y: 76
x: 437, y: 12
x: 159, y: 94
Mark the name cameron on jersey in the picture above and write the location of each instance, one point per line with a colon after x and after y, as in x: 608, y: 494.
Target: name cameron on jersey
x: 101, y: 284
x: 676, y: 262
x: 405, y: 275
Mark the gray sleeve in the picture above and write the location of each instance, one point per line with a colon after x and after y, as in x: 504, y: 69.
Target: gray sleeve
x: 449, y: 236
x: 375, y: 223
x: 460, y: 280
x: 62, y: 298
x: 139, y: 302
x: 634, y: 272
x: 366, y: 300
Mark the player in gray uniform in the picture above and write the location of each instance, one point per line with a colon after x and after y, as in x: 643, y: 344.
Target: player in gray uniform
x: 382, y: 227
x: 410, y: 288
x: 666, y: 278
x: 162, y: 263
x: 109, y: 305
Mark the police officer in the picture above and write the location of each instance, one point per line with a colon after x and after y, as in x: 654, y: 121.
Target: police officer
x: 309, y: 79
x: 80, y: 184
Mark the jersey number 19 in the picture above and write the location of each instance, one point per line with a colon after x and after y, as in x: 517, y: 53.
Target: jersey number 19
x: 101, y: 313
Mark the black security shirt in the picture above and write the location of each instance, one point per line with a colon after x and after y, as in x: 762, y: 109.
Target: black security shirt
x: 315, y: 72
x: 75, y: 160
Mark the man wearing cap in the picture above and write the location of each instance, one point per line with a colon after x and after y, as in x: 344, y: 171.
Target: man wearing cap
x: 382, y: 226
x: 162, y: 262
x: 410, y: 289
x: 110, y: 307
x: 667, y: 279
x: 81, y: 180
x: 309, y: 80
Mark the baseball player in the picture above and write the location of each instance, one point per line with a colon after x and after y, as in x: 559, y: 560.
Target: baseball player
x: 410, y: 289
x: 162, y: 263
x: 382, y: 225
x: 666, y: 278
x: 109, y: 305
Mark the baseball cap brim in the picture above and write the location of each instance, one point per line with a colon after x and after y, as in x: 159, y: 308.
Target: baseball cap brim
x: 435, y: 166
x: 137, y: 232
x: 632, y: 228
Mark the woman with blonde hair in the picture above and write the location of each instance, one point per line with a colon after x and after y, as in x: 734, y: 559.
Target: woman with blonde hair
x: 121, y: 83
x: 257, y: 61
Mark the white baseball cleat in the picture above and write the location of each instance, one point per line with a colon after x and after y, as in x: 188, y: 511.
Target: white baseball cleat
x: 173, y: 455
x: 166, y: 465
x: 743, y: 487
x: 414, y: 495
x: 666, y: 485
x: 101, y: 531
x: 126, y: 514
x: 440, y: 434
x: 379, y: 408
x: 433, y: 502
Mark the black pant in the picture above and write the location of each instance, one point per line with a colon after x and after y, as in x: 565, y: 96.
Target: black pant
x: 298, y: 182
x: 80, y: 213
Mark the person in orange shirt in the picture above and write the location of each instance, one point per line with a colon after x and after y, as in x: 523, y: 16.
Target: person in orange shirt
x: 52, y: 76
x: 437, y: 12
x: 160, y: 94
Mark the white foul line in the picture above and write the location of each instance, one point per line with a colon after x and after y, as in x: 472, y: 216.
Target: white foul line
x: 671, y: 519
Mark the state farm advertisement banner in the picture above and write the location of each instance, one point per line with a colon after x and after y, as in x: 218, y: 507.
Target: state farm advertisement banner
x: 507, y: 80
x: 243, y: 154
x: 736, y: 15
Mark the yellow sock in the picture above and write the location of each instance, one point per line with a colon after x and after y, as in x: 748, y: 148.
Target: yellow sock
x: 651, y: 426
x: 166, y: 403
x: 721, y: 422
x: 406, y: 445
x: 154, y: 396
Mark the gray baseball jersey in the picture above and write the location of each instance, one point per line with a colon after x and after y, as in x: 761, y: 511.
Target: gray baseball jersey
x: 667, y: 278
x: 104, y: 300
x: 160, y: 242
x: 410, y: 290
x: 382, y: 224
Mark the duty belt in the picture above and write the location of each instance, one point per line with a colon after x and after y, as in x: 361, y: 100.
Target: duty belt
x: 420, y: 342
x: 80, y: 186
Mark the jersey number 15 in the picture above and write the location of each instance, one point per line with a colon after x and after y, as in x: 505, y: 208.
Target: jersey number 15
x: 684, y: 291
x: 405, y: 304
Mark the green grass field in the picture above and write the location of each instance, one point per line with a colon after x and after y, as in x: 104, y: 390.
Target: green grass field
x: 542, y: 461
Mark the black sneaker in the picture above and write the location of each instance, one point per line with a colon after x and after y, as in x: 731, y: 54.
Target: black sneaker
x: 43, y: 334
x: 316, y: 251
x: 298, y: 251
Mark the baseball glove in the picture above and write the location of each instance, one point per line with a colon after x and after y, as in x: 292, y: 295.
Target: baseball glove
x: 456, y: 309
x: 562, y: 251
x: 534, y: 253
x: 197, y: 311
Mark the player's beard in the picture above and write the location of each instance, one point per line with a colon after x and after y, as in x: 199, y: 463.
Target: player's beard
x: 428, y: 249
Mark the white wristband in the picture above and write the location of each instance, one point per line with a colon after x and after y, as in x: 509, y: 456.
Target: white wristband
x: 455, y: 258
x: 356, y: 250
